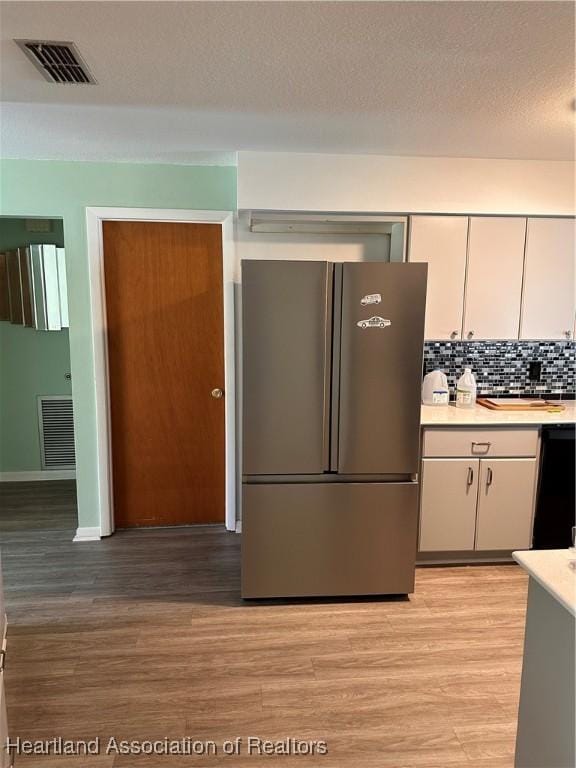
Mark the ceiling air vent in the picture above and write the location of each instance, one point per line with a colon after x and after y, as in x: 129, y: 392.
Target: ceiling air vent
x: 58, y: 62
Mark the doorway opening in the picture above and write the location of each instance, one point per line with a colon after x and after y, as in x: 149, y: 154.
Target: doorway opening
x: 37, y: 450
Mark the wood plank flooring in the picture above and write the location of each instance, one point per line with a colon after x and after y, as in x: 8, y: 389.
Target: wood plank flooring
x: 144, y: 636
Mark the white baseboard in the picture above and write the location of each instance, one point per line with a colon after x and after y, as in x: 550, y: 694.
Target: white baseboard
x: 41, y: 474
x: 87, y: 534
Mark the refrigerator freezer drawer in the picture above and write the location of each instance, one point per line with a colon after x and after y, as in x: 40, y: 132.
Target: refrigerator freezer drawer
x: 328, y: 539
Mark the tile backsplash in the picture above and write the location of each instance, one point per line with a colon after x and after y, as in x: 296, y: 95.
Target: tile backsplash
x: 502, y: 367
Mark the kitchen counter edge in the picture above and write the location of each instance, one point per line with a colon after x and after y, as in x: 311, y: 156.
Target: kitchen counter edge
x: 450, y: 416
x: 552, y: 569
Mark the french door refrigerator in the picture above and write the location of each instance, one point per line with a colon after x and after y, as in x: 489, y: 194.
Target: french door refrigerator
x: 331, y: 379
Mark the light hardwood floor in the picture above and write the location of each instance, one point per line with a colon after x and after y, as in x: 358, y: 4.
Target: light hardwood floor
x: 143, y: 636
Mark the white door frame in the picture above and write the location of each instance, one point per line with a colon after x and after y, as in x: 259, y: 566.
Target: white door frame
x: 94, y: 219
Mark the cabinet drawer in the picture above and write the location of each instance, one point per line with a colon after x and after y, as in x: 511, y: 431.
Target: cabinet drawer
x: 480, y: 442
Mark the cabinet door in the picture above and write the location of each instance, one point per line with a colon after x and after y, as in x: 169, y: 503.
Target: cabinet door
x: 448, y: 504
x: 548, y: 295
x: 505, y: 503
x: 440, y: 241
x: 494, y: 278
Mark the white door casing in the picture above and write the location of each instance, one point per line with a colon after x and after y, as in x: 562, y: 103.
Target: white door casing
x: 94, y: 219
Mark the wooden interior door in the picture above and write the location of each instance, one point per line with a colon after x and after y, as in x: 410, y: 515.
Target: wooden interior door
x: 165, y: 331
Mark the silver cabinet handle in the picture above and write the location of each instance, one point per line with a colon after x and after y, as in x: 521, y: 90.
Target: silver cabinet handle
x: 470, y: 478
x: 568, y: 334
x: 217, y: 393
x: 484, y: 446
x: 454, y: 334
x: 489, y: 478
x: 470, y: 334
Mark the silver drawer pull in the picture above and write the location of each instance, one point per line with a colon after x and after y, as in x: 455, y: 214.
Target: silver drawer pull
x: 489, y: 478
x: 470, y: 479
x: 485, y: 446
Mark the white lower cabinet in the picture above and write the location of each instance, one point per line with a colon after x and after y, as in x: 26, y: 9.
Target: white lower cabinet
x: 448, y: 504
x: 505, y: 503
x: 481, y: 504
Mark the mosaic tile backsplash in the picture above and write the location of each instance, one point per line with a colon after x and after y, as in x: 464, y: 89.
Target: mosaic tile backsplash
x: 502, y: 367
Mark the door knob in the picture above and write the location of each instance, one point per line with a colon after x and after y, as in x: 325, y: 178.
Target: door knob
x: 470, y: 334
x: 454, y: 334
x: 217, y: 393
x: 568, y: 334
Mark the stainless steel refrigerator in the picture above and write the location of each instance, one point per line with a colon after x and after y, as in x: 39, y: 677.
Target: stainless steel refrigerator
x: 331, y: 372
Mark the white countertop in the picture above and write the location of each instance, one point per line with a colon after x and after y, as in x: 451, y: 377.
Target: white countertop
x: 450, y: 416
x: 553, y: 570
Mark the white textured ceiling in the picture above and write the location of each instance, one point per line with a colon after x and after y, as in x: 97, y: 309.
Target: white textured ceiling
x: 195, y: 81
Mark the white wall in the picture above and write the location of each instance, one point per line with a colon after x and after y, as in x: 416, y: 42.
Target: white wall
x: 380, y: 184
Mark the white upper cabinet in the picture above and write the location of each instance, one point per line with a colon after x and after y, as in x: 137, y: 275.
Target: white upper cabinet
x: 440, y: 241
x: 548, y: 298
x: 494, y: 278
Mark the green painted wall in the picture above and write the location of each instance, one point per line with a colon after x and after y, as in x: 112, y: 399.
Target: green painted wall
x: 32, y: 363
x: 55, y: 189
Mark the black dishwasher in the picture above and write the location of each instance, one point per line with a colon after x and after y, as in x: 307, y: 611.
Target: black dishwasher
x: 555, y: 503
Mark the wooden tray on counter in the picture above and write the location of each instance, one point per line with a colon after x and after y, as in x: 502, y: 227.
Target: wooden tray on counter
x: 519, y: 404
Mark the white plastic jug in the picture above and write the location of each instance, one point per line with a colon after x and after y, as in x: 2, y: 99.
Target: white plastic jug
x: 466, y: 390
x: 435, y: 389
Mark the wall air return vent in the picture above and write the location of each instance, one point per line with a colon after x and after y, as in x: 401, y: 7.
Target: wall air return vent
x: 56, y: 423
x: 58, y: 62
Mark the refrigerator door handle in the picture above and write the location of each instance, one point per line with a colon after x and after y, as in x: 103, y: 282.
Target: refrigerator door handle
x: 326, y: 411
x: 333, y: 373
